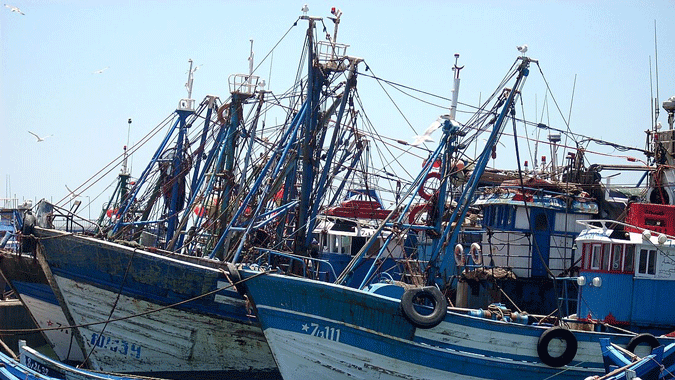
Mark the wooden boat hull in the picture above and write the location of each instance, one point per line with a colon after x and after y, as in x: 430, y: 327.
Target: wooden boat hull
x: 161, y: 324
x: 26, y: 277
x: 319, y: 330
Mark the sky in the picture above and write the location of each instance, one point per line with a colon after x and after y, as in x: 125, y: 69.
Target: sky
x: 598, y: 58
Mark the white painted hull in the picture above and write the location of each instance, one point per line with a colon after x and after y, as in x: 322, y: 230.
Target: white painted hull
x: 297, y: 358
x: 166, y: 341
x: 49, y: 316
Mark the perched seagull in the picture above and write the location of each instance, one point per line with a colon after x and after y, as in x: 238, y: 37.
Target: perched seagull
x: 38, y: 137
x: 101, y: 71
x: 72, y: 193
x: 194, y: 69
x: 304, y: 10
x: 14, y: 9
x: 522, y: 49
x: 426, y: 136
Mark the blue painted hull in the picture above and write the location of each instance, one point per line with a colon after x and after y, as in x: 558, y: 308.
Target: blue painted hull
x: 657, y: 366
x: 35, y: 366
x: 29, y: 282
x: 328, y: 331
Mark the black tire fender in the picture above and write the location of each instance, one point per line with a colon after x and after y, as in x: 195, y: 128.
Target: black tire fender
x: 557, y: 333
x: 642, y: 338
x: 430, y: 293
x: 235, y: 277
x: 29, y: 222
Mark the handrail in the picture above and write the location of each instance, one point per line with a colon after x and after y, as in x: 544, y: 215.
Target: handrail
x: 298, y: 258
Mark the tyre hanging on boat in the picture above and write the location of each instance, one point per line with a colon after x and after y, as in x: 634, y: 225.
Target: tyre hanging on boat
x: 430, y: 293
x: 641, y: 339
x: 235, y: 279
x: 570, y: 346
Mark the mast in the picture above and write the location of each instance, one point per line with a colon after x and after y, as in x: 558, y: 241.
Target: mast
x: 186, y: 107
x: 315, y: 79
x: 439, y: 264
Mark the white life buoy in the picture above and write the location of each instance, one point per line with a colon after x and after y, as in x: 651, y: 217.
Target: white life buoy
x: 476, y: 254
x: 459, y: 255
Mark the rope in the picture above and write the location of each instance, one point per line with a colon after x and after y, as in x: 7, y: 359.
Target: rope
x: 119, y: 293
x: 25, y: 331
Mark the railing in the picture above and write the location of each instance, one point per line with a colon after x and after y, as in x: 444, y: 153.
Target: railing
x: 331, y: 55
x: 243, y: 84
x: 313, y: 273
x: 66, y: 220
x: 567, y: 303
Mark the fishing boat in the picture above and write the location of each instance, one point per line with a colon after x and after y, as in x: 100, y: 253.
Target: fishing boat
x: 531, y: 261
x: 634, y: 258
x: 163, y: 316
x: 33, y: 365
x: 21, y: 272
x: 397, y: 331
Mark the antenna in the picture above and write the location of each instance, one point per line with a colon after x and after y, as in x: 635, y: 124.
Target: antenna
x: 250, y: 60
x: 569, y: 115
x: 337, y: 13
x: 455, y: 90
x: 188, y: 85
x: 651, y: 94
x: 126, y: 155
x: 656, y: 64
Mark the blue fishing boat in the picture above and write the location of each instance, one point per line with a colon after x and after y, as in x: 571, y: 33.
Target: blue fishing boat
x: 628, y: 266
x: 33, y: 365
x: 398, y: 331
x: 21, y: 272
x: 624, y: 365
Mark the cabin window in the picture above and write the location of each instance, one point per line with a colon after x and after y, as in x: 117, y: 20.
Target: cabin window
x: 333, y: 244
x: 346, y: 245
x: 596, y: 256
x: 647, y: 261
x: 606, y: 253
x: 500, y: 216
x: 629, y: 260
x: 506, y: 216
x: 490, y: 216
x: 541, y: 222
x: 586, y: 254
x: 617, y: 250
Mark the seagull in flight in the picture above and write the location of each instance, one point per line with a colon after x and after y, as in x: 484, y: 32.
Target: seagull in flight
x: 72, y: 193
x: 522, y: 49
x: 14, y: 9
x: 426, y: 136
x: 101, y: 71
x: 38, y: 137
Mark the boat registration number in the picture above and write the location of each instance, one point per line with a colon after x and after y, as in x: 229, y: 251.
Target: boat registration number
x: 119, y: 346
x: 326, y: 332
